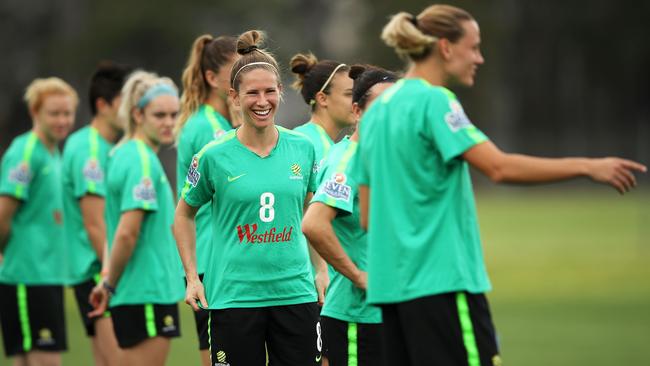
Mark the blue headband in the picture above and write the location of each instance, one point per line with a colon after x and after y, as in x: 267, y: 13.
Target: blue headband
x: 156, y: 91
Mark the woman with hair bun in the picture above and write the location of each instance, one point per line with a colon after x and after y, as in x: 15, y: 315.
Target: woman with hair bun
x: 425, y: 261
x: 326, y: 87
x: 205, y: 108
x: 144, y: 282
x: 258, y: 284
x: 352, y: 330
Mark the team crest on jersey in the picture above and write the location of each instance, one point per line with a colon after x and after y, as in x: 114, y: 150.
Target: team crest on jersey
x: 20, y: 174
x: 296, y: 172
x: 145, y: 191
x: 92, y: 171
x: 336, y: 188
x: 193, y: 174
x: 456, y: 118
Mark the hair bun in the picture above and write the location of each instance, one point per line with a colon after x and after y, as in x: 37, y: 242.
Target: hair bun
x: 356, y: 71
x: 302, y: 63
x: 249, y: 42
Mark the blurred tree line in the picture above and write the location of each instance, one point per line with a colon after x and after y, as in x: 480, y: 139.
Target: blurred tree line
x: 560, y: 78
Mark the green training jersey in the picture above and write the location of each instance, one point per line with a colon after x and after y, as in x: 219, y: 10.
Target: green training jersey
x: 84, y: 171
x: 136, y: 181
x: 258, y: 255
x: 36, y: 252
x: 338, y: 189
x: 423, y: 229
x: 203, y: 126
x: 318, y: 137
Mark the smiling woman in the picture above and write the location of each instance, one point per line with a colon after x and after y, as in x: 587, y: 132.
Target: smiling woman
x: 258, y: 279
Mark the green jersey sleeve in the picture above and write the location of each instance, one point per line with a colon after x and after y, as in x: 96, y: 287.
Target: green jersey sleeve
x: 139, y: 189
x: 17, y: 171
x: 315, y: 173
x: 338, y: 186
x: 198, y: 189
x: 450, y: 129
x: 87, y: 176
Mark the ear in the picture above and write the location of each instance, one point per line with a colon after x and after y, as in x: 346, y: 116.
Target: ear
x: 444, y: 47
x: 100, y: 105
x: 321, y: 99
x: 137, y: 114
x: 234, y: 96
x: 211, y: 79
x: 357, y: 112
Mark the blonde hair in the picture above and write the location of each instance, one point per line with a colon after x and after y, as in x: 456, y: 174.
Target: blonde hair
x: 414, y: 37
x: 249, y: 47
x: 138, y: 83
x: 207, y: 53
x: 38, y: 89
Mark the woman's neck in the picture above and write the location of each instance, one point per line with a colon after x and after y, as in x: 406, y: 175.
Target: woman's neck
x: 49, y: 144
x: 104, y: 129
x: 219, y: 104
x: 321, y: 118
x: 139, y: 135
x: 260, y: 141
x: 430, y: 70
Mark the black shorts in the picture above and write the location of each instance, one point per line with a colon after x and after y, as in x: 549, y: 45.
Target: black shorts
x: 290, y: 332
x: 135, y: 323
x: 32, y: 318
x: 445, y: 329
x: 347, y: 344
x: 201, y: 321
x: 82, y: 293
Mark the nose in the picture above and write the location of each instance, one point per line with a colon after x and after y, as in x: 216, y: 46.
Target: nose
x: 262, y: 99
x: 480, y: 60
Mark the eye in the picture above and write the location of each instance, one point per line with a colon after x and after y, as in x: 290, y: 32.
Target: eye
x: 159, y: 114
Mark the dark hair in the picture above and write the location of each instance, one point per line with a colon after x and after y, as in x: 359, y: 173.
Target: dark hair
x: 106, y: 82
x: 249, y: 47
x: 208, y: 53
x: 365, y: 77
x: 312, y: 74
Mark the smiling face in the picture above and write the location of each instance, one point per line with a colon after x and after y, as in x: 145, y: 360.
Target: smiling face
x: 155, y: 123
x: 55, y: 116
x: 258, y: 97
x: 465, y: 55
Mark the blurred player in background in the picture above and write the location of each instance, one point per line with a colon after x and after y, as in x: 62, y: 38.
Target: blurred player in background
x: 425, y: 261
x: 144, y: 281
x: 84, y: 181
x: 352, y: 330
x: 33, y: 256
x: 204, y: 112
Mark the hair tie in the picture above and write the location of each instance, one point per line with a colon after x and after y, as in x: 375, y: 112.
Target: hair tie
x: 414, y: 20
x: 249, y: 49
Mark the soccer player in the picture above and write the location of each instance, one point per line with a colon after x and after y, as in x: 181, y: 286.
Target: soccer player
x: 425, y: 262
x: 326, y: 87
x: 144, y: 281
x: 258, y: 281
x: 352, y: 330
x: 84, y: 182
x: 204, y: 108
x: 32, y: 253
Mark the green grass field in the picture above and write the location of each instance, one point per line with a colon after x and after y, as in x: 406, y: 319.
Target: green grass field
x: 571, y: 272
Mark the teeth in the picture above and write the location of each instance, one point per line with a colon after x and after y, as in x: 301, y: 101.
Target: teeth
x: 262, y: 113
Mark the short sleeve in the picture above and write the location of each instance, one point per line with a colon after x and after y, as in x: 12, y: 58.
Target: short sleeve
x: 450, y: 129
x: 198, y: 189
x: 16, y: 174
x: 87, y: 176
x: 336, y: 190
x: 139, y: 190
